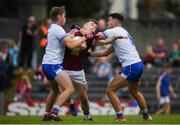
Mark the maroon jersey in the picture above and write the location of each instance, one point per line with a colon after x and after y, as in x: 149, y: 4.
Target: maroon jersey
x: 74, y: 60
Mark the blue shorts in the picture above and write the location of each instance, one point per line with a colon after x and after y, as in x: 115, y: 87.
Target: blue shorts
x: 132, y: 73
x: 51, y: 70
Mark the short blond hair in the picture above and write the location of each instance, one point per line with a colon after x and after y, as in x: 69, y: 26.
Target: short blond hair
x: 57, y: 11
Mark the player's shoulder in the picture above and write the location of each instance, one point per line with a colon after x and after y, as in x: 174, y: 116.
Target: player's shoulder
x: 163, y: 75
x: 56, y: 28
x: 121, y: 29
x: 118, y: 29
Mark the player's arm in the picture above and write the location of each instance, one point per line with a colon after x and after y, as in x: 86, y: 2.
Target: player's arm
x: 70, y: 43
x: 108, y: 40
x: 158, y: 94
x: 100, y: 36
x: 102, y: 53
x: 104, y: 38
x: 71, y: 34
x: 172, y: 91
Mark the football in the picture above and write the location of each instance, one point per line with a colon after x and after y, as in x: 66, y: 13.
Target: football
x: 76, y: 37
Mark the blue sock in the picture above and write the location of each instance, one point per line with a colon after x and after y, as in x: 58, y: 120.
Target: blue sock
x: 119, y: 114
x: 145, y: 112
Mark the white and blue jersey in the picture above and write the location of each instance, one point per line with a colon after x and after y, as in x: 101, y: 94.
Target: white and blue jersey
x: 55, y: 49
x: 127, y: 54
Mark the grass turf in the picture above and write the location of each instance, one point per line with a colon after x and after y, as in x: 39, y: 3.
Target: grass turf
x: 160, y: 119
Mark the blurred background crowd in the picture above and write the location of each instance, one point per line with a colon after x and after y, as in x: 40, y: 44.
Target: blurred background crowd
x: 154, y: 24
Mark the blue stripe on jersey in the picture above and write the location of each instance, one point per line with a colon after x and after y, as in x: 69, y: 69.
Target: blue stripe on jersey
x: 105, y: 34
x: 62, y: 37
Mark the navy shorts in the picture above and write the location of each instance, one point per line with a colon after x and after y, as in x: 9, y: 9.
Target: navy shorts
x: 51, y: 70
x: 132, y: 73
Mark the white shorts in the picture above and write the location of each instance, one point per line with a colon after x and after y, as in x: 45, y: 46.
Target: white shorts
x: 164, y: 100
x: 77, y: 77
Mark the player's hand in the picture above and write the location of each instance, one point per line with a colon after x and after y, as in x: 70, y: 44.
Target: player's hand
x: 72, y: 32
x: 89, y: 36
x: 97, y: 35
x: 75, y: 27
x: 83, y: 46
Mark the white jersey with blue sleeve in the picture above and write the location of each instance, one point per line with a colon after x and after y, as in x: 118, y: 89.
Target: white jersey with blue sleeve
x: 124, y: 48
x: 55, y: 48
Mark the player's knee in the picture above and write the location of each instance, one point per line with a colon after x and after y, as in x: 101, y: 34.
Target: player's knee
x: 133, y: 92
x: 109, y: 90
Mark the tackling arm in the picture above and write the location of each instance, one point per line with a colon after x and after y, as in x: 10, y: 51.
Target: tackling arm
x: 70, y: 43
x: 103, y: 40
x: 103, y: 53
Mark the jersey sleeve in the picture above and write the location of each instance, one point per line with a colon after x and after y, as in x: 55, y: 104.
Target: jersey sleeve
x: 109, y: 33
x: 160, y: 79
x: 115, y: 32
x: 61, y: 34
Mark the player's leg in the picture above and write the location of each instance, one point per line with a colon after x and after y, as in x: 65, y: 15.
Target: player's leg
x: 167, y: 108
x: 72, y: 106
x: 161, y: 110
x: 63, y: 81
x: 82, y: 90
x: 54, y: 92
x: 134, y: 90
x: 162, y: 106
x: 117, y: 82
x: 80, y: 84
x: 168, y: 105
x: 57, y: 72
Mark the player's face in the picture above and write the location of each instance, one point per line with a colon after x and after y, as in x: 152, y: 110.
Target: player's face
x: 110, y: 22
x: 62, y: 19
x: 90, y: 26
x: 169, y: 70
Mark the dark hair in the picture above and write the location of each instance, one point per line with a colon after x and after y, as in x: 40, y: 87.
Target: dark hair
x: 93, y: 20
x: 116, y: 16
x: 57, y: 11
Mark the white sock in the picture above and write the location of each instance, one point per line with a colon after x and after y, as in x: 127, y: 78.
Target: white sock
x: 120, y: 112
x: 87, y: 116
x: 56, y: 108
x: 145, y: 111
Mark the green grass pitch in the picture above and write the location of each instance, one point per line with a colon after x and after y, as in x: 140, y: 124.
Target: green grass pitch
x: 160, y: 119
